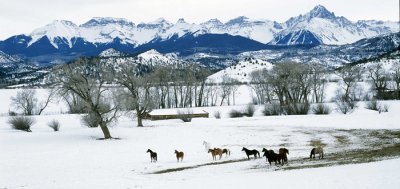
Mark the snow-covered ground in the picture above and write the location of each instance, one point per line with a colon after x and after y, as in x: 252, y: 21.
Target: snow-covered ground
x: 73, y: 158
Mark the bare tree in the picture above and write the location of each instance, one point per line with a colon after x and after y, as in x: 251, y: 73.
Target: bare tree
x: 86, y: 78
x: 140, y: 94
x: 349, y: 76
x: 50, y: 97
x: 395, y: 75
x: 379, y: 78
x: 291, y: 82
x: 201, y: 78
x: 261, y: 86
x: 227, y: 87
x: 25, y: 100
x: 76, y: 105
x: 318, y: 82
x: 162, y: 78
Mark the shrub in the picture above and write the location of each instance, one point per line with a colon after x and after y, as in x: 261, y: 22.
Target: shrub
x: 383, y: 108
x: 185, y: 116
x: 373, y: 105
x: 217, y: 114
x: 297, y: 109
x: 90, y: 120
x: 272, y: 109
x: 55, y: 125
x: 235, y: 114
x: 321, y: 109
x: 250, y: 109
x: 22, y: 123
x: 346, y: 106
x: 12, y: 113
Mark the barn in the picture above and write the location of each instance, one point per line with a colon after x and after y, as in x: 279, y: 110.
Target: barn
x: 163, y: 114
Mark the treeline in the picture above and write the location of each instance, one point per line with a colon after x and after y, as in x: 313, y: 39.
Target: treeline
x: 101, y: 90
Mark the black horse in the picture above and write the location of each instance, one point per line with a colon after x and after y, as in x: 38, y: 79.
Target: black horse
x: 282, y: 154
x: 251, y: 152
x: 271, y: 156
x: 153, y: 155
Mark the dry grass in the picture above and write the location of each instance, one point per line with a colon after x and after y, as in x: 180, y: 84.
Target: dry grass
x: 317, y: 142
x: 342, y: 139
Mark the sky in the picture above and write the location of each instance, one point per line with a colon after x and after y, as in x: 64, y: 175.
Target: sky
x: 23, y: 16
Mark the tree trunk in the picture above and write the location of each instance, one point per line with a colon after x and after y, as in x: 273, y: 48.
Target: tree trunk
x: 105, y: 130
x: 139, y: 120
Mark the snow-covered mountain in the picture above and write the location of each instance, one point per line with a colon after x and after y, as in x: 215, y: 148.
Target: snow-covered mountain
x: 319, y: 25
x: 323, y: 26
x: 259, y: 30
x: 6, y: 59
x: 62, y: 41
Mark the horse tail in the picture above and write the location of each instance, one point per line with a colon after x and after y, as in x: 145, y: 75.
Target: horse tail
x: 258, y: 153
x: 229, y: 152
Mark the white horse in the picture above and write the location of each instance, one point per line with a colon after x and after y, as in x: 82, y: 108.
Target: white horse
x: 206, y: 145
x: 318, y: 150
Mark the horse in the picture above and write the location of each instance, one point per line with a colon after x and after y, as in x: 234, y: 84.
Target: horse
x: 179, y: 155
x: 271, y: 156
x: 226, y: 151
x: 153, y: 155
x: 206, y: 145
x: 214, y: 152
x: 282, y: 153
x: 318, y: 150
x: 251, y: 152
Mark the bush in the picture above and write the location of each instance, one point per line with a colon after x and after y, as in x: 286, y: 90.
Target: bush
x: 235, y: 114
x: 22, y: 123
x: 90, y: 120
x: 373, y: 105
x: 384, y: 108
x: 250, y: 109
x: 217, y: 115
x: 321, y: 109
x: 185, y: 116
x: 297, y: 109
x: 272, y: 109
x: 55, y: 125
x: 12, y: 113
x: 346, y: 106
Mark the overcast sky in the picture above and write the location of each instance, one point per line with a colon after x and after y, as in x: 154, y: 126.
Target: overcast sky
x: 22, y: 16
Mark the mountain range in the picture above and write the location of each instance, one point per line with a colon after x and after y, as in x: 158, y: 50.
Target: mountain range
x: 63, y: 40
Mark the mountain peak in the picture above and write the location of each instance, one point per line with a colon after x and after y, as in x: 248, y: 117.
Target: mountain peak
x: 181, y: 21
x: 160, y: 20
x: 320, y: 12
x: 56, y: 29
x: 238, y: 20
x: 103, y: 21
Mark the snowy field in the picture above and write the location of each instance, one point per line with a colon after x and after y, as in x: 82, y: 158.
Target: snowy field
x: 73, y: 158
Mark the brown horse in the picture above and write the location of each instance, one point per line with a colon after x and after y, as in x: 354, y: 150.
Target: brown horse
x: 226, y: 151
x: 153, y: 155
x: 318, y: 150
x: 214, y: 152
x: 179, y: 155
x: 251, y: 152
x: 282, y: 154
